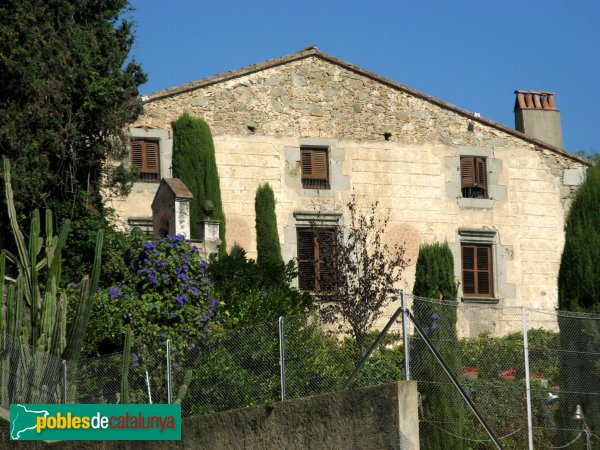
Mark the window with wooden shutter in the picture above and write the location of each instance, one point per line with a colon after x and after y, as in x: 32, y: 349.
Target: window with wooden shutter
x: 145, y: 156
x: 477, y: 270
x: 315, y: 168
x: 473, y: 177
x: 306, y: 259
x: 316, y: 259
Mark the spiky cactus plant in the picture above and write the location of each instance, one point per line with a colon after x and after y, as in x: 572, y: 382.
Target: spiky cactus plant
x: 31, y: 310
x: 183, y: 389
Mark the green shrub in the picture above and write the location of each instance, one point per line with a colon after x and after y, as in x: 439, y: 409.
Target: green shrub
x: 495, y: 355
x: 251, y: 293
x: 165, y: 294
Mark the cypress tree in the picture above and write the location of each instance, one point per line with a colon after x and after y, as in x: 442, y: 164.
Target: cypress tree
x: 268, y: 247
x: 579, y: 291
x: 442, y: 404
x: 195, y: 164
x: 189, y: 166
x: 212, y: 184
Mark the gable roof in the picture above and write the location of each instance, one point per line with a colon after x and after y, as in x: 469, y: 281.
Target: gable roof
x: 312, y: 51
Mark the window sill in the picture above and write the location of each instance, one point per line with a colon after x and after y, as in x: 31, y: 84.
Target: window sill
x: 481, y: 300
x: 479, y: 203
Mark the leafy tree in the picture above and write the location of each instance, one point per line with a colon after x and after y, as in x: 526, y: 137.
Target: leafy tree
x: 195, y: 164
x: 268, y: 247
x: 579, y: 291
x: 434, y: 278
x: 364, y: 271
x: 78, y: 255
x: 68, y: 91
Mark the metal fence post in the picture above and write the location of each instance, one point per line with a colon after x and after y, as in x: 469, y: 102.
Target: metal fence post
x: 169, y: 395
x: 282, y: 358
x: 405, y: 341
x: 527, y: 380
x: 149, y: 390
x: 64, y: 371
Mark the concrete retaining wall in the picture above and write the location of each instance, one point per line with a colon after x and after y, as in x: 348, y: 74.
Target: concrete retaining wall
x: 375, y: 417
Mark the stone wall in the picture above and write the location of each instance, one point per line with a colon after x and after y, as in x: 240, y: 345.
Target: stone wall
x: 413, y: 175
x: 376, y: 417
x: 312, y: 97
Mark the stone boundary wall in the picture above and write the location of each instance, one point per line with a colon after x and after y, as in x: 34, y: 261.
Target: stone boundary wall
x: 374, y: 417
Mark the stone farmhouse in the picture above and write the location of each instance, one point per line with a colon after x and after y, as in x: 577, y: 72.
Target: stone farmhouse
x: 319, y: 129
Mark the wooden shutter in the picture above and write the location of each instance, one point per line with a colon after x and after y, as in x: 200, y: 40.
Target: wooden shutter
x: 480, y: 173
x: 325, y: 268
x: 467, y: 172
x: 484, y: 271
x: 145, y: 155
x: 152, y: 158
x: 315, y: 168
x: 477, y: 270
x: 306, y: 259
x: 473, y: 177
x: 468, y: 269
x: 316, y: 259
x: 307, y: 164
x: 319, y: 158
x: 137, y: 154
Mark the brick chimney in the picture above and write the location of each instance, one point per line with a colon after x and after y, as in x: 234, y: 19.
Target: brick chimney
x: 536, y: 116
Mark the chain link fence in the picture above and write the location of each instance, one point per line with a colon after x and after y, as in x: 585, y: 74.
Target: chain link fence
x: 545, y: 397
x: 27, y: 375
x: 525, y: 370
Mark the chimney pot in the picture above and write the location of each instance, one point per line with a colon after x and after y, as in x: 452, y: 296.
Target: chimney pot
x: 537, y: 117
x: 528, y: 100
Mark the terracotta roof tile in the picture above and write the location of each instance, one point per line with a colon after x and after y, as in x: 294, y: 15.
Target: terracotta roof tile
x: 178, y: 187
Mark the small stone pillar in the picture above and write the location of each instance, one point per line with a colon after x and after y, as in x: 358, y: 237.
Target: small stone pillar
x: 171, y: 208
x: 209, y: 230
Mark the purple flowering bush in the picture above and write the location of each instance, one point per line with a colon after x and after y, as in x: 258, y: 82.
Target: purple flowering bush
x: 166, y: 294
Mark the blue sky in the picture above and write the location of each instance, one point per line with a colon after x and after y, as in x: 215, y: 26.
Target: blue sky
x: 473, y: 54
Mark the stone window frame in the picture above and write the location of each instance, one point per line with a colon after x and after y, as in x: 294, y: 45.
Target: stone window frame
x: 338, y: 180
x: 501, y: 255
x: 493, y: 167
x: 165, y: 150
